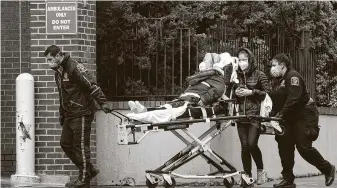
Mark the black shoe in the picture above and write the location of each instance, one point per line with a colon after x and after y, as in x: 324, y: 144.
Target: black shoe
x: 70, y: 183
x: 330, y: 178
x: 93, y: 173
x: 285, y: 184
x: 77, y: 184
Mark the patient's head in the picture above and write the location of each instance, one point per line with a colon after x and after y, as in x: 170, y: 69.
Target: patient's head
x: 225, y: 58
x: 209, y: 60
x: 204, y: 66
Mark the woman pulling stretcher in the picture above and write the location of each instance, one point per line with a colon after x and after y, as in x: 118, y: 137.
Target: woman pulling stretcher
x: 205, y: 88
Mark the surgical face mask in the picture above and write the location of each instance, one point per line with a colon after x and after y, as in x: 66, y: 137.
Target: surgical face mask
x: 203, y: 66
x: 53, y: 62
x: 243, y: 65
x: 276, y: 71
x: 243, y: 62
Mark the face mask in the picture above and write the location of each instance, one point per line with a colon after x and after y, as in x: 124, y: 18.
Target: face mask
x: 276, y: 71
x: 243, y: 65
x: 54, y: 64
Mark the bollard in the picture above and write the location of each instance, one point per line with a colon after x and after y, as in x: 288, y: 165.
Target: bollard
x: 25, y: 132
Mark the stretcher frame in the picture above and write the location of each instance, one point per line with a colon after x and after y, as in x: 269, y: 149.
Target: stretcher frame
x: 198, y: 147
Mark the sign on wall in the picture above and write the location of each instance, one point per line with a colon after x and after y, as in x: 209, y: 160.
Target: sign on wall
x: 61, y: 18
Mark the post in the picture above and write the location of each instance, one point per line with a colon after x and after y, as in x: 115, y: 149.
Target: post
x: 25, y: 132
x: 305, y: 63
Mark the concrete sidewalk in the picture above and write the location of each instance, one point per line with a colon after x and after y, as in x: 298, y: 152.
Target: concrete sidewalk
x: 311, y: 182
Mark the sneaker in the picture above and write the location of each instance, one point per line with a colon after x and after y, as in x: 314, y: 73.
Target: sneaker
x: 140, y: 108
x: 261, y: 177
x: 133, y: 107
x: 247, y: 181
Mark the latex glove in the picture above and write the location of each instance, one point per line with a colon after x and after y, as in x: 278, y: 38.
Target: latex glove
x: 242, y: 92
x: 105, y: 107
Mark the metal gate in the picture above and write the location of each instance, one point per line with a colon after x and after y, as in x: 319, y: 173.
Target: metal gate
x: 138, y: 69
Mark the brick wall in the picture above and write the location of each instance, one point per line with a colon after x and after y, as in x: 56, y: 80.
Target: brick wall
x: 50, y: 159
x: 12, y: 64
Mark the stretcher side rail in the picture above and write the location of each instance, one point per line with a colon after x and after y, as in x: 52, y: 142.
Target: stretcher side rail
x: 239, y: 117
x: 135, y: 126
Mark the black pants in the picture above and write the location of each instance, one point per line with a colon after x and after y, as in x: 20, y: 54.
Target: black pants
x: 301, y: 132
x: 75, y: 142
x: 249, y: 135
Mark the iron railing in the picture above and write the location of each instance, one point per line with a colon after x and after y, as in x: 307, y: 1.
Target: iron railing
x: 134, y: 69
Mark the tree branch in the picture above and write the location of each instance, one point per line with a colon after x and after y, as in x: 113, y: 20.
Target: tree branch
x: 285, y: 21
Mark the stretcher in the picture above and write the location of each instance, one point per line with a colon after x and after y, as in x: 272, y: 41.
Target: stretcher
x: 198, y: 147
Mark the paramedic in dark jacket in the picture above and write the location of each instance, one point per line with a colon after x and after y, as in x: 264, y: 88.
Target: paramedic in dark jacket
x: 78, y: 93
x: 292, y: 103
x: 251, y: 91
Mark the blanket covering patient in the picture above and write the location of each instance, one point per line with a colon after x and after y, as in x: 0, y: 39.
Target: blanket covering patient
x: 205, y: 88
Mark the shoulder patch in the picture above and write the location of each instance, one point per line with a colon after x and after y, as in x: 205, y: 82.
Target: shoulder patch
x: 81, y: 67
x: 295, y: 81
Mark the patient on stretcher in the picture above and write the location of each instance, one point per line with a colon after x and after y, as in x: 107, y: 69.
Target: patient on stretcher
x: 205, y: 89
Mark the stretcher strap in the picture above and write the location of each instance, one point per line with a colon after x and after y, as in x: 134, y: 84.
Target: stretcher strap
x: 204, y: 113
x: 213, y: 113
x: 189, y: 113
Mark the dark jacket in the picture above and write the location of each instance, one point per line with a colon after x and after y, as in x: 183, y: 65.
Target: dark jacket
x: 211, y: 94
x: 256, y: 81
x: 77, y: 89
x: 289, y: 95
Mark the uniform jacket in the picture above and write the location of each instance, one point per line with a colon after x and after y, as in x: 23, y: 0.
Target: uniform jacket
x: 77, y: 89
x: 289, y: 94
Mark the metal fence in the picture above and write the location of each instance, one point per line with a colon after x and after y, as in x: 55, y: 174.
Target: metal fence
x: 156, y: 70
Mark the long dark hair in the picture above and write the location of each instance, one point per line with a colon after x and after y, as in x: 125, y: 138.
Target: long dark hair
x: 283, y: 58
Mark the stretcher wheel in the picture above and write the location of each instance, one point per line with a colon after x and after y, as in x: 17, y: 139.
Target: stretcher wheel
x: 280, y: 133
x: 227, y: 183
x: 150, y: 185
x: 167, y: 185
